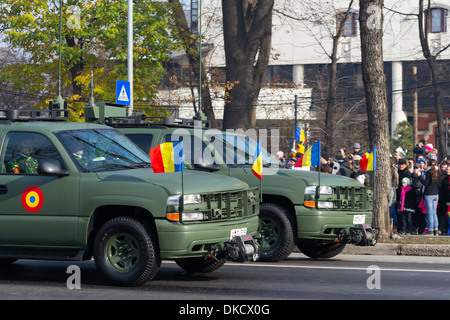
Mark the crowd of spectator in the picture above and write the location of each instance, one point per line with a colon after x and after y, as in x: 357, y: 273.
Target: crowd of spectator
x: 420, y: 202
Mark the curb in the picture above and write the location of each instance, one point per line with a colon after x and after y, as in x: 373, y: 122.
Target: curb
x: 432, y: 250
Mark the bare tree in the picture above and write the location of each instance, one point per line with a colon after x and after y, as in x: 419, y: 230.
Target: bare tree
x: 424, y: 24
x: 431, y: 59
x: 335, y: 114
x: 191, y: 47
x: 247, y: 27
x: 332, y: 85
x: 371, y: 22
x: 12, y: 94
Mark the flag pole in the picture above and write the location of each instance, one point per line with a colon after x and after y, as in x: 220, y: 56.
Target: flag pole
x: 260, y: 190
x: 257, y: 167
x: 320, y: 164
x: 181, y: 201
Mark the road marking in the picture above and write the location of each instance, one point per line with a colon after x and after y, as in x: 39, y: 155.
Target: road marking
x: 333, y: 268
x: 253, y: 265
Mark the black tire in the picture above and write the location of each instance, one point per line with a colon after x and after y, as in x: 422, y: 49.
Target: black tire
x: 319, y: 249
x: 124, y: 252
x: 200, y: 265
x: 276, y: 227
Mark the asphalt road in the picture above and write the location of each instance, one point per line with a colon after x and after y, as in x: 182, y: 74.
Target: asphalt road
x: 345, y: 277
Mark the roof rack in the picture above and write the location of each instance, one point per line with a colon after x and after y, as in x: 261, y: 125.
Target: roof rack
x: 140, y: 119
x: 115, y: 115
x: 34, y: 114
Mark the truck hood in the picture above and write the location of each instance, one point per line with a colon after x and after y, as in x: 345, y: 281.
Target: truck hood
x: 309, y: 178
x: 326, y: 179
x: 194, y: 181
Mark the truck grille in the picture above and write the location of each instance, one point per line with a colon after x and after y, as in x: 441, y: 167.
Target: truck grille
x: 351, y: 198
x: 231, y: 205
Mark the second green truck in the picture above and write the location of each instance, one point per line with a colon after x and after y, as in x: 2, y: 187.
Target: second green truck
x: 296, y: 210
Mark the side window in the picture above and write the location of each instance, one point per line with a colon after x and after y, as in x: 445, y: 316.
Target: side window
x: 194, y: 149
x: 24, y: 150
x: 143, y: 141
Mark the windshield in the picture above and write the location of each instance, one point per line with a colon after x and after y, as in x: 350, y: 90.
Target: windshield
x: 239, y: 151
x: 102, y: 149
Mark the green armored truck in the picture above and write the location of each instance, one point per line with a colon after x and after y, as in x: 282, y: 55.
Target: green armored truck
x: 296, y: 210
x: 72, y: 191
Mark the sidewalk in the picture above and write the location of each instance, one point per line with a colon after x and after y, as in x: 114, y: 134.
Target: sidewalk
x: 435, y: 250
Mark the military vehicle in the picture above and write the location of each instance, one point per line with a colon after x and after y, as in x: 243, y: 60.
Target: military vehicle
x: 296, y: 210
x: 83, y: 190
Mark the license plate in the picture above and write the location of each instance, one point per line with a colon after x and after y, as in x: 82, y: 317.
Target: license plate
x: 238, y: 232
x: 359, y: 219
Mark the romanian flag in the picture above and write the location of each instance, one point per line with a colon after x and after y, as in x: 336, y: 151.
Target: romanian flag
x: 167, y: 157
x: 300, y: 134
x: 257, y: 167
x: 368, y: 161
x: 311, y: 157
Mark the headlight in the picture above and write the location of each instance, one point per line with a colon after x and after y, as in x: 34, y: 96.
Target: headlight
x: 187, y: 216
x: 322, y: 190
x: 188, y: 199
x: 325, y: 205
x: 320, y: 204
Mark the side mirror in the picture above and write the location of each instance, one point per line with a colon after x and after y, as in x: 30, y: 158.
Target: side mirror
x: 51, y: 167
x: 204, y: 164
x: 207, y: 166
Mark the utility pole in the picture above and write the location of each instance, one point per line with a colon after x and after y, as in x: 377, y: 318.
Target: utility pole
x: 130, y: 54
x: 415, y: 106
x: 59, y: 100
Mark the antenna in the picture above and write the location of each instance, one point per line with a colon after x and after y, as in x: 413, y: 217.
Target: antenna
x: 91, y: 88
x: 59, y: 100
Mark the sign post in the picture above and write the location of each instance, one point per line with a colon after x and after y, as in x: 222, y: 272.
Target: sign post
x: 123, y: 94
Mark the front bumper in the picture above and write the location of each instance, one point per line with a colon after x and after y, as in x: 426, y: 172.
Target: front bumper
x: 330, y: 225
x: 190, y: 240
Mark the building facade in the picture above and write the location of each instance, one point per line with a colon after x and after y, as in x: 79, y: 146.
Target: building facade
x: 302, y: 43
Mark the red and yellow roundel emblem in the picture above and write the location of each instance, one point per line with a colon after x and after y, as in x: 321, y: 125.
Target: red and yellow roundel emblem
x: 32, y: 199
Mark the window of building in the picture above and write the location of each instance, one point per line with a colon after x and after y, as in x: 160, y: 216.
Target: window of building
x: 279, y: 74
x: 350, y: 25
x: 358, y: 76
x: 437, y: 20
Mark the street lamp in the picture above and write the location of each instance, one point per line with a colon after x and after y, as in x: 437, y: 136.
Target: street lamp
x: 313, y: 110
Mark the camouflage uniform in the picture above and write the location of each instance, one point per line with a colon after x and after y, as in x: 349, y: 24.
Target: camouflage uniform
x: 23, y: 164
x: 82, y: 161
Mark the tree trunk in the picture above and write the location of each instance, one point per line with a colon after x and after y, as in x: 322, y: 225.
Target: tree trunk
x: 76, y: 69
x: 247, y: 27
x: 371, y: 22
x: 423, y: 34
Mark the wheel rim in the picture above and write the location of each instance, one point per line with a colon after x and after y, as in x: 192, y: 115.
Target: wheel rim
x: 270, y: 230
x: 123, y: 252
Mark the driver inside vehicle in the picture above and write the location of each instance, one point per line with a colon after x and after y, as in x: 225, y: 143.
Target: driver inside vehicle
x: 24, y: 162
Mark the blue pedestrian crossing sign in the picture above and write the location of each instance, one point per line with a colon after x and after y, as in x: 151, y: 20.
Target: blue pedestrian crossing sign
x: 123, y: 92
